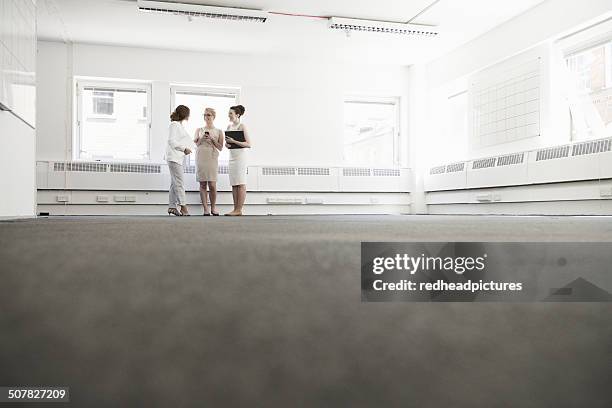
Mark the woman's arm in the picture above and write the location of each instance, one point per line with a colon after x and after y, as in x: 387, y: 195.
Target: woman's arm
x: 174, y: 140
x: 219, y: 142
x: 196, y: 136
x: 247, y: 140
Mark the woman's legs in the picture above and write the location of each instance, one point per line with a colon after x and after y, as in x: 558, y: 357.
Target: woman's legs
x: 172, y: 195
x: 241, y: 197
x: 203, y: 196
x: 212, y: 192
x: 176, y: 175
x: 235, y: 198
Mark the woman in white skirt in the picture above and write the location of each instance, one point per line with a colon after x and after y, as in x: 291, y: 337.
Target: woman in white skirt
x: 238, y: 159
x: 178, y: 146
x: 209, y: 140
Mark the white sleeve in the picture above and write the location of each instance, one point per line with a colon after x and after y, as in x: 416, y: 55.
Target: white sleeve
x: 174, y: 138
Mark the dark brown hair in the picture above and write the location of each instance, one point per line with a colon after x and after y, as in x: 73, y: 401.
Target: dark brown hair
x: 180, y: 113
x: 239, y: 109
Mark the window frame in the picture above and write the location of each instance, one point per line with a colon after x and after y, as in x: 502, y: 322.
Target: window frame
x: 607, y: 44
x: 398, y: 155
x: 203, y: 90
x: 585, y: 46
x: 588, y: 38
x: 80, y: 84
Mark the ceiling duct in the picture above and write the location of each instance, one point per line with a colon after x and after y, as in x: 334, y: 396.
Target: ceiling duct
x: 195, y: 10
x: 348, y: 24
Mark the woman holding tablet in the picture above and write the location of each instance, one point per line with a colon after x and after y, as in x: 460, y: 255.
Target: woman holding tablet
x: 209, y: 140
x: 238, y: 159
x: 178, y: 147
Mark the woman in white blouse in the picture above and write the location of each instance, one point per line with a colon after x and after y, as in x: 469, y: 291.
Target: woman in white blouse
x: 238, y: 159
x: 179, y: 146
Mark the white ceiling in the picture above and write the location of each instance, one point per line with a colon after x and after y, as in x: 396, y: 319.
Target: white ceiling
x: 119, y: 22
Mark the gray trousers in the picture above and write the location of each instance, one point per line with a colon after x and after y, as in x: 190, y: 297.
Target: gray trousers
x: 177, y: 188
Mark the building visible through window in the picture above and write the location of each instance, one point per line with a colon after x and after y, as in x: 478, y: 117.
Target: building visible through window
x: 103, y: 102
x: 371, y: 132
x: 113, y: 122
x: 592, y: 68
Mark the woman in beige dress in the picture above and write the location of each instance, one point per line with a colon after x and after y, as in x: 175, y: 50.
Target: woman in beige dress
x: 209, y: 140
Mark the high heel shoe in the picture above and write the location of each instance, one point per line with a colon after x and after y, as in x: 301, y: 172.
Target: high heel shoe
x: 174, y: 211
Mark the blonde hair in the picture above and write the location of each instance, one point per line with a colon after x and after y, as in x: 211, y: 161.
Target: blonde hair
x: 211, y: 111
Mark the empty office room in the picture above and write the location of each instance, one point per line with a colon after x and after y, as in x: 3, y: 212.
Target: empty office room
x: 395, y: 203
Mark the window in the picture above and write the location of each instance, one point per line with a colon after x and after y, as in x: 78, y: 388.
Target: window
x: 592, y: 72
x: 198, y: 98
x: 112, y: 121
x: 371, y: 131
x: 592, y: 67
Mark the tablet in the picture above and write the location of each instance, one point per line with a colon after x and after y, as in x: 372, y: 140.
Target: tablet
x: 237, y: 135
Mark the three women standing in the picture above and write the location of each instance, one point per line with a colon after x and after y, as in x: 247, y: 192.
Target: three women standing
x: 238, y: 159
x: 209, y: 140
x: 178, y: 147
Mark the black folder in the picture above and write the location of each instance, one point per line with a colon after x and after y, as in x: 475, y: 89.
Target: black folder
x: 237, y: 135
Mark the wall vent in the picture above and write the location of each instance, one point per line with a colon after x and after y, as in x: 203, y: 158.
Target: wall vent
x: 191, y: 169
x: 386, y: 172
x: 511, y: 159
x: 591, y: 147
x: 135, y: 168
x: 453, y: 168
x: 81, y: 166
x: 313, y: 171
x: 438, y: 170
x: 278, y: 171
x: 553, y: 153
x: 484, y: 163
x: 355, y: 172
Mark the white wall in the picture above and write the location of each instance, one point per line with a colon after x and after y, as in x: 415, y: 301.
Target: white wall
x: 532, y: 34
x: 17, y: 136
x: 550, y: 19
x: 553, y: 114
x: 294, y: 107
x: 17, y: 166
x: 523, y: 36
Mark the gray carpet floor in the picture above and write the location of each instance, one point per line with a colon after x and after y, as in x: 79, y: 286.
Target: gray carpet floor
x: 265, y: 311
